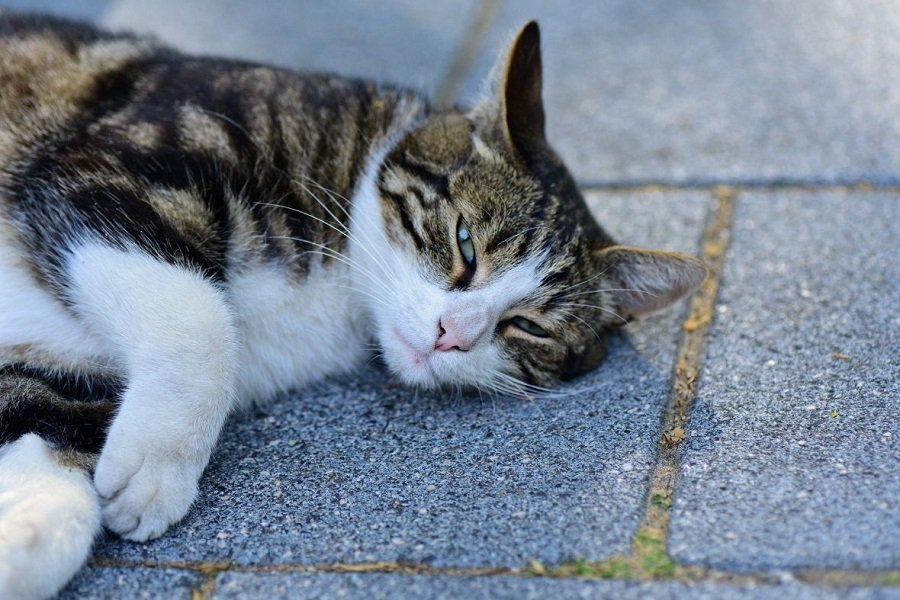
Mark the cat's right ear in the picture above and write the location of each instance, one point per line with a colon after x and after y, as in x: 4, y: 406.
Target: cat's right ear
x: 647, y: 280
x: 515, y: 92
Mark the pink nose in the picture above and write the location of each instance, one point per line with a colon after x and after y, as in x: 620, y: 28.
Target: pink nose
x: 449, y: 338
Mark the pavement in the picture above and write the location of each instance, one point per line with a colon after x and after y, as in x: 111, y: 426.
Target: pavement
x: 743, y: 445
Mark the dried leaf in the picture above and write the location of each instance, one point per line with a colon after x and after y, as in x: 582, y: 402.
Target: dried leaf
x: 840, y: 356
x: 673, y: 437
x: 536, y: 568
x: 698, y: 320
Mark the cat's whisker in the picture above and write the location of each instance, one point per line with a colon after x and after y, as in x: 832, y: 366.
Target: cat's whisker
x: 228, y: 120
x: 595, y: 307
x: 590, y: 292
x: 371, y: 295
x: 326, y: 250
x: 341, y: 257
x: 365, y: 247
x: 343, y: 229
x: 515, y: 387
x: 332, y: 195
x: 519, y: 233
x: 583, y: 322
x: 582, y: 283
x: 540, y: 391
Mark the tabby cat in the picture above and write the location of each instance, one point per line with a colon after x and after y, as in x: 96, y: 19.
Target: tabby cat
x: 180, y: 236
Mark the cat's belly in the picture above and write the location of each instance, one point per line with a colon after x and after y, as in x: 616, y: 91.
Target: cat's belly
x: 294, y: 332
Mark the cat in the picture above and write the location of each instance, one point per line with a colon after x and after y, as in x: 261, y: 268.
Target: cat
x: 183, y: 236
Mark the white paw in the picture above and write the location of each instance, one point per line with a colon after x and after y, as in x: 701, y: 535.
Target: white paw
x: 145, y: 487
x: 48, y: 518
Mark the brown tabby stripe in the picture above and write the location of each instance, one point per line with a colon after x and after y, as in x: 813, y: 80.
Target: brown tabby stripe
x: 399, y: 203
x: 66, y: 410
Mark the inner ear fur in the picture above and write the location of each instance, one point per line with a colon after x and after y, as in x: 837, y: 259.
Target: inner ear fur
x: 522, y: 83
x: 514, y: 102
x: 648, y: 280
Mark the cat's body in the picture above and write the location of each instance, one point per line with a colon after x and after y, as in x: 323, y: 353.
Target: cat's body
x: 179, y: 236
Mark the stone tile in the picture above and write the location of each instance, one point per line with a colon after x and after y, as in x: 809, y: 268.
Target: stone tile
x: 376, y: 586
x: 137, y: 583
x: 366, y: 470
x: 408, y: 42
x: 719, y: 89
x: 793, y: 451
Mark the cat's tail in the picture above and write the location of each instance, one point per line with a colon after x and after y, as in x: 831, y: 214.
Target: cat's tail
x: 49, y: 510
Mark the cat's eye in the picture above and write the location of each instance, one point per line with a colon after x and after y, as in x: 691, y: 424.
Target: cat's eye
x: 529, y: 327
x: 466, y: 245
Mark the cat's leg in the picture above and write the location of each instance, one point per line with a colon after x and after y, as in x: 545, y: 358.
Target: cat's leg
x: 176, y: 336
x: 49, y: 516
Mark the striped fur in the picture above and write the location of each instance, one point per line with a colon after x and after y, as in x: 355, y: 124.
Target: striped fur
x: 183, y: 235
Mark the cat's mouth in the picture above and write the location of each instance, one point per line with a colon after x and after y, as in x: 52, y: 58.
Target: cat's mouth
x: 416, y: 364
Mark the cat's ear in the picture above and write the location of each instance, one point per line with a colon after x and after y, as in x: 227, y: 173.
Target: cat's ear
x: 516, y: 91
x: 647, y: 280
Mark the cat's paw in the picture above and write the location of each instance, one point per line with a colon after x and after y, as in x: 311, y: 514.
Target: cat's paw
x: 144, y: 488
x: 48, y: 518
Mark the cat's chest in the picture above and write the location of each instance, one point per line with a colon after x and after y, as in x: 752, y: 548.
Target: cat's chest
x: 294, y: 331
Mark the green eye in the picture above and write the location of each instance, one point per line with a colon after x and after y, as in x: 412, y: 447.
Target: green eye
x: 466, y: 246
x: 529, y: 327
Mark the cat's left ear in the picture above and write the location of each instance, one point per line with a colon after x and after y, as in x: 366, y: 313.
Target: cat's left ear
x: 647, y: 280
x: 517, y: 92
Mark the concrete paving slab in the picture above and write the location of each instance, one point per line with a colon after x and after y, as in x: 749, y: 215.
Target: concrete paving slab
x: 367, y: 470
x: 87, y: 10
x: 403, y: 41
x: 375, y: 586
x: 719, y: 89
x: 139, y: 583
x: 793, y: 451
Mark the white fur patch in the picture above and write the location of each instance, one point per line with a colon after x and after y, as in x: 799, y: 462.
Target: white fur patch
x: 31, y: 317
x: 175, y: 334
x: 49, y: 516
x: 294, y: 333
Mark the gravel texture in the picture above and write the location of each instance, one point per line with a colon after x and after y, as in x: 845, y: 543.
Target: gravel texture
x: 131, y: 583
x: 793, y: 450
x: 232, y: 586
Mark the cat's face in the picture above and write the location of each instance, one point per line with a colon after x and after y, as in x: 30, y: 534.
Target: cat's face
x: 489, y: 270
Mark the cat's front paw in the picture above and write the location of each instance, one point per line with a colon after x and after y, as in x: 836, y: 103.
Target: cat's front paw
x: 144, y: 488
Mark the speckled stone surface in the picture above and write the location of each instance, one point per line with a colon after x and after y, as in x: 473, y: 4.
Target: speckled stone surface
x: 374, y: 586
x: 719, y: 89
x: 137, y: 583
x: 792, y: 456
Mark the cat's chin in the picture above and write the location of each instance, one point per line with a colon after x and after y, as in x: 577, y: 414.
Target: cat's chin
x: 427, y: 369
x: 412, y: 365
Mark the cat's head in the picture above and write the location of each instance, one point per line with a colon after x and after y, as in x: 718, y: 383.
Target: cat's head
x: 480, y: 260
